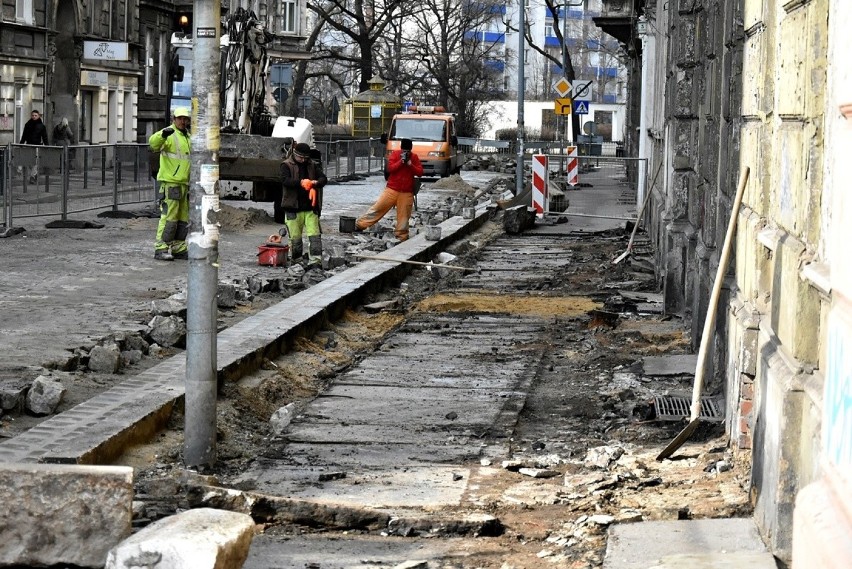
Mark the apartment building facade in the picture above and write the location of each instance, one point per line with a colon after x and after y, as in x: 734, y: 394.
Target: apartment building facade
x: 765, y: 85
x: 104, y: 65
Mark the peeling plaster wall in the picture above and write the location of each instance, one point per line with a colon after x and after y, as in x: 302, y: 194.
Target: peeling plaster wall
x: 822, y: 518
x: 745, y: 84
x: 778, y: 309
x: 703, y: 115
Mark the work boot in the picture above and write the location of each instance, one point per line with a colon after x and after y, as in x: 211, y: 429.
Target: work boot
x: 182, y: 255
x: 163, y: 255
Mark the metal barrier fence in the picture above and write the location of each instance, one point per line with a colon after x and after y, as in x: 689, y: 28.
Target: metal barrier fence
x: 598, y: 173
x: 345, y: 158
x: 56, y: 181
x: 80, y: 178
x: 487, y: 146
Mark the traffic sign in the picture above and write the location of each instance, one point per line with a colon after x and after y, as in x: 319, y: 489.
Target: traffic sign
x: 581, y: 107
x: 582, y: 88
x: 280, y: 94
x: 562, y: 106
x: 281, y: 75
x: 406, y: 106
x: 562, y: 87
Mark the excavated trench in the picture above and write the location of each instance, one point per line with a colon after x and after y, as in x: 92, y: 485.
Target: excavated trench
x: 501, y: 412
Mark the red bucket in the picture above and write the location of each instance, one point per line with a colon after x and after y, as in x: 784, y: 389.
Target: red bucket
x: 273, y: 255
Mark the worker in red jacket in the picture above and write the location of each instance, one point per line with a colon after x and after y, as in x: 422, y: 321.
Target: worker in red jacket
x: 403, y: 167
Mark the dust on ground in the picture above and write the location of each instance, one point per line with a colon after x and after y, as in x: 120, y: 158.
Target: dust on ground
x: 455, y: 183
x: 240, y: 219
x: 507, y: 303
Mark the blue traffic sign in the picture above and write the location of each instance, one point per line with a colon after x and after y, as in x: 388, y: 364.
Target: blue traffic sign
x: 581, y: 107
x: 406, y: 106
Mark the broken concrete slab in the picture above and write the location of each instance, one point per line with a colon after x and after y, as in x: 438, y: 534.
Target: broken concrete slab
x: 679, y: 364
x: 58, y: 514
x: 196, y: 539
x: 517, y: 219
x: 265, y: 508
x: 382, y: 550
x: 105, y: 359
x: 696, y: 544
x: 637, y: 296
x: 44, y: 395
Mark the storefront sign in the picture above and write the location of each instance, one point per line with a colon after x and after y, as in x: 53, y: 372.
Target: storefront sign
x: 105, y: 50
x: 94, y: 78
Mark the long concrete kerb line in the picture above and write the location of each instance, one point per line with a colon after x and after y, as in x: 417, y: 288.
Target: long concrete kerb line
x: 100, y: 429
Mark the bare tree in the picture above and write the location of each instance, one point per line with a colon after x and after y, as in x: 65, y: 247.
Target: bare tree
x: 361, y: 24
x: 461, y: 62
x: 566, y: 56
x: 302, y: 72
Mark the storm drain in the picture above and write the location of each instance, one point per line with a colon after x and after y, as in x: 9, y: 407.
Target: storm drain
x: 670, y: 408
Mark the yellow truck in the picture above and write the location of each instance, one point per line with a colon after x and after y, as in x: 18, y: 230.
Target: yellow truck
x: 433, y: 136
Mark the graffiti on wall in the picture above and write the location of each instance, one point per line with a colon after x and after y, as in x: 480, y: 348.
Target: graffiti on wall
x: 837, y: 406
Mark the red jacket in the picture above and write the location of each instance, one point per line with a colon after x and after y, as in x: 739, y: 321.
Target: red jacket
x: 401, y: 176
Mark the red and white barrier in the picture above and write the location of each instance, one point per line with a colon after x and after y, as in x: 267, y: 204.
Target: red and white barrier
x: 573, y: 166
x: 539, y: 184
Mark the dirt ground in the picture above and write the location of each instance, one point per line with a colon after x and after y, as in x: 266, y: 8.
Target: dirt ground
x: 586, y: 421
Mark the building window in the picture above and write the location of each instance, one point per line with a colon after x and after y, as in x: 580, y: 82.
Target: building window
x: 286, y: 17
x: 548, y: 29
x: 164, y: 64
x: 24, y: 11
x: 92, y: 19
x: 119, y: 23
x: 149, y: 61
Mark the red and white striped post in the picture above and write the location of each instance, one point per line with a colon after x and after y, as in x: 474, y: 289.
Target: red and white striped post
x: 539, y: 184
x: 573, y: 166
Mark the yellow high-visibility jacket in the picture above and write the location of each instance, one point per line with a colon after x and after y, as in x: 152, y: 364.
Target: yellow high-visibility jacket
x: 174, y: 156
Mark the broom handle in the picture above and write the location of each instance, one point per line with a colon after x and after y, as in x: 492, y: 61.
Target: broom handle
x: 644, y: 205
x: 407, y: 262
x: 710, y: 319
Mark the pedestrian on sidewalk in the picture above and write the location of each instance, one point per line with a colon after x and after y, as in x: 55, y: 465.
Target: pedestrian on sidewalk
x: 34, y: 133
x: 63, y: 136
x: 302, y: 181
x: 403, y: 167
x: 173, y: 145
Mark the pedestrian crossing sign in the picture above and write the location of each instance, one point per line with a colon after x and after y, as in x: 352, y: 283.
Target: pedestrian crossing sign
x: 581, y: 107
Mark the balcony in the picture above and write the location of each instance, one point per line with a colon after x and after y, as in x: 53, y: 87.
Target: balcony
x: 618, y: 18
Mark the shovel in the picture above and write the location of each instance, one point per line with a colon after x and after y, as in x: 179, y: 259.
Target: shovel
x: 709, y: 321
x: 623, y: 256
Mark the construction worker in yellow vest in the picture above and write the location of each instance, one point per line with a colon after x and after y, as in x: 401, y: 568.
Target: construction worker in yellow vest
x: 172, y: 143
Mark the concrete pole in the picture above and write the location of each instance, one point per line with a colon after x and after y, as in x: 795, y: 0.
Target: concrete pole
x: 203, y: 241
x: 519, y: 169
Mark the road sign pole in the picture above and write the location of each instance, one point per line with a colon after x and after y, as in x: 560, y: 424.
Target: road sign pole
x: 203, y: 265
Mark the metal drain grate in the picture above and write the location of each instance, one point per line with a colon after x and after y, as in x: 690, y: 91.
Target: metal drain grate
x: 671, y: 408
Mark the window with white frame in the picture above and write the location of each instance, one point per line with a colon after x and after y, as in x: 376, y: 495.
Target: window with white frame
x: 286, y: 16
x: 24, y: 11
x: 548, y: 29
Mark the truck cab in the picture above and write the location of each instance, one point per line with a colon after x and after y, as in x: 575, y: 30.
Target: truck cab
x: 433, y: 136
